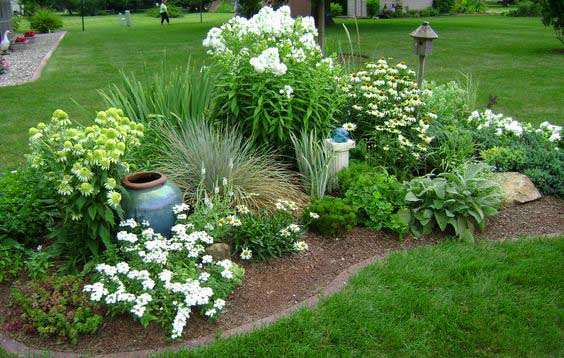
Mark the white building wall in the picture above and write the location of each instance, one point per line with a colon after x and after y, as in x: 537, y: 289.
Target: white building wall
x: 357, y: 8
x: 410, y: 4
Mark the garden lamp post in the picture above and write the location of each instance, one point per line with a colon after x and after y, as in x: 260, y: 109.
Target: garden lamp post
x: 423, y: 38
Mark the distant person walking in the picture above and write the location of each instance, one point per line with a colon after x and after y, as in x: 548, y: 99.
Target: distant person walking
x: 164, y: 12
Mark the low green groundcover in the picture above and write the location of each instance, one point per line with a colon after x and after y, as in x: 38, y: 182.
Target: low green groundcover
x: 452, y: 299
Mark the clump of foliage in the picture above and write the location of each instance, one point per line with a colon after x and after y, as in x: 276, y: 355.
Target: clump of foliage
x: 56, y: 306
x: 376, y: 196
x: 28, y: 207
x: 220, y: 157
x: 266, y: 234
x: 461, y: 200
x: 444, y: 6
x: 373, y: 7
x: 45, y: 20
x: 336, y: 9
x: 12, y: 259
x: 273, y: 79
x: 315, y: 163
x: 248, y: 8
x: 471, y: 6
x: 553, y: 15
x: 163, y: 279
x: 173, y: 11
x: 167, y: 97
x: 331, y: 217
x: 527, y: 8
x: 85, y: 165
x: 385, y: 105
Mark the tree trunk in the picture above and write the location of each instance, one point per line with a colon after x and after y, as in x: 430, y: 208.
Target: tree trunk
x: 321, y: 24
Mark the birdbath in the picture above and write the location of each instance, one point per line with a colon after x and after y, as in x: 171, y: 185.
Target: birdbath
x: 341, y: 143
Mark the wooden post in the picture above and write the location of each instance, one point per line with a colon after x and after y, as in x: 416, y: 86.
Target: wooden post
x: 421, y: 71
x: 321, y: 24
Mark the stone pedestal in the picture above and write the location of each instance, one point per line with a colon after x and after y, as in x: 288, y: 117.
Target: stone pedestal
x: 341, y: 152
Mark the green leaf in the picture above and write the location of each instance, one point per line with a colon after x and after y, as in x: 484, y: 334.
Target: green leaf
x: 92, y: 211
x: 441, y: 219
x: 105, y: 236
x: 411, y: 197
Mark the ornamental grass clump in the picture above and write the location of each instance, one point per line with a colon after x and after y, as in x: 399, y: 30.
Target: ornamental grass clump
x: 165, y: 280
x: 273, y: 77
x: 385, y: 104
x: 85, y: 165
x: 221, y: 160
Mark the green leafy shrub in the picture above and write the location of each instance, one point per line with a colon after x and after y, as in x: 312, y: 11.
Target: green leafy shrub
x: 373, y: 7
x: 526, y: 8
x: 57, y: 307
x: 377, y: 197
x: 504, y: 159
x: 454, y: 148
x: 45, y: 20
x: 12, y: 258
x: 273, y: 79
x: 17, y: 22
x: 267, y: 234
x: 471, y: 6
x: 552, y: 11
x: 336, y: 9
x: 444, y: 6
x: 330, y: 216
x: 173, y: 11
x: 38, y: 263
x: 85, y: 165
x: 27, y: 206
x: 460, y: 200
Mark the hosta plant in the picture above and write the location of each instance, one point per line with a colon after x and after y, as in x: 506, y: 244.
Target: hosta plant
x: 460, y: 200
x: 386, y: 106
x: 165, y: 279
x: 273, y: 77
x: 85, y: 165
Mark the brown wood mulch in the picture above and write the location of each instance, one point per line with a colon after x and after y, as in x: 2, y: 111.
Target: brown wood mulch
x: 279, y: 284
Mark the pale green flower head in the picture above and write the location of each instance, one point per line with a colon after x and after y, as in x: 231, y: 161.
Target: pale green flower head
x: 86, y: 189
x: 110, y: 184
x: 33, y: 131
x: 60, y: 114
x: 41, y: 125
x: 114, y: 199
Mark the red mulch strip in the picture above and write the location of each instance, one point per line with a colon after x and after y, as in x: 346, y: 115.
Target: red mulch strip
x: 270, y: 287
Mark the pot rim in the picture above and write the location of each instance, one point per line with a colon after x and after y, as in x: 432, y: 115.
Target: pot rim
x: 129, y: 180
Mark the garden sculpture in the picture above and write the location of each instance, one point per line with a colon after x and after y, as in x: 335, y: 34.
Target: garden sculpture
x: 5, y: 44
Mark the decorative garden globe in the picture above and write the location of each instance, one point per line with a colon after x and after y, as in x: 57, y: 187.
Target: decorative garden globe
x: 150, y: 196
x: 340, y: 135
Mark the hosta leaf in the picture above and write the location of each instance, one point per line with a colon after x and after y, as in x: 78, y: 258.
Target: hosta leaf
x: 441, y: 219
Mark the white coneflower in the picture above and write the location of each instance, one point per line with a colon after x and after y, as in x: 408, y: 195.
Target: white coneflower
x: 246, y: 254
x: 242, y: 209
x: 349, y: 126
x: 84, y: 174
x: 86, y: 189
x: 314, y: 215
x: 114, y: 199
x: 110, y: 184
x: 64, y: 188
x: 301, y: 246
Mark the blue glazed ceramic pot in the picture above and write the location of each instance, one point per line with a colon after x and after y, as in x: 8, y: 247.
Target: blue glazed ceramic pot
x: 150, y: 196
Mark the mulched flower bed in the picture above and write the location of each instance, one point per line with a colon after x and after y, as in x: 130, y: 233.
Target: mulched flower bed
x: 273, y: 286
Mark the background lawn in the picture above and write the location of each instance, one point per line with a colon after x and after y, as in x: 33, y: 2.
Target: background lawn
x: 449, y: 300
x: 516, y: 59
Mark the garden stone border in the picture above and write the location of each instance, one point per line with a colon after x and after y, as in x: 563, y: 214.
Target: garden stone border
x: 337, y: 284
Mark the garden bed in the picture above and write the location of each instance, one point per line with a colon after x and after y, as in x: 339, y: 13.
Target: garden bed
x: 274, y: 286
x: 27, y: 61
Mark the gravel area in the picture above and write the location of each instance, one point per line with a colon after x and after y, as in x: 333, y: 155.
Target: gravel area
x: 28, y: 59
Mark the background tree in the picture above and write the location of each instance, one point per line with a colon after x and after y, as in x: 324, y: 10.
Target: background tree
x: 248, y: 8
x: 553, y: 15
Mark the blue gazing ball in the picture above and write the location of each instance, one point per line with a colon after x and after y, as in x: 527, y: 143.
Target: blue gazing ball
x: 340, y: 135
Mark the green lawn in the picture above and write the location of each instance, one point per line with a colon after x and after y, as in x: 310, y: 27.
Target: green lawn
x: 513, y: 58
x: 449, y: 300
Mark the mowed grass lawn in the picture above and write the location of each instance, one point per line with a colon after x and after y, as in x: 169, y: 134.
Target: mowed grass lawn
x: 449, y: 300
x: 516, y: 59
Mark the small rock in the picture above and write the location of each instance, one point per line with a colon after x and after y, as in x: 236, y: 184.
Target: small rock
x: 219, y: 251
x: 517, y: 188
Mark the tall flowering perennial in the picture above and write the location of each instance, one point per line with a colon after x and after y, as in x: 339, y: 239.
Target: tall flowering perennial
x: 165, y: 280
x: 385, y: 105
x: 85, y: 164
x: 273, y: 77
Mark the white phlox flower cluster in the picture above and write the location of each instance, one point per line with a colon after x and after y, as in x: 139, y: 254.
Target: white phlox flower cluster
x: 269, y: 61
x: 152, y: 278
